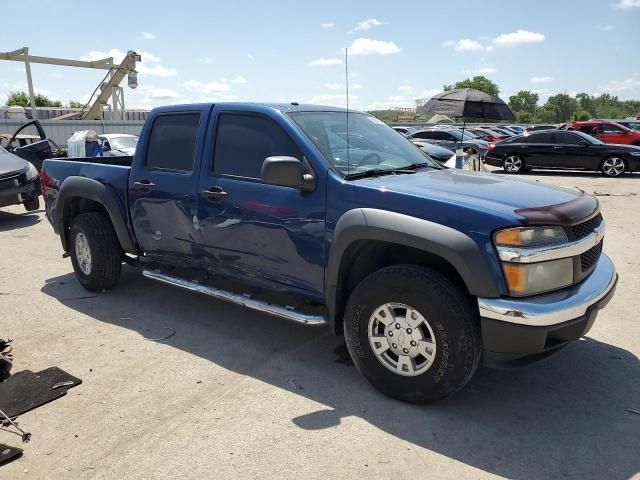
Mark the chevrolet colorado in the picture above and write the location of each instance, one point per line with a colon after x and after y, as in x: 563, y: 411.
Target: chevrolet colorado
x: 427, y: 271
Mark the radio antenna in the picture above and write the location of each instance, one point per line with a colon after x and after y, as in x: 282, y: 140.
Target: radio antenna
x: 346, y: 79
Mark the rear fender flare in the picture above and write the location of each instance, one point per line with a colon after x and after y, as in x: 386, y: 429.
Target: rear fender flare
x: 90, y: 189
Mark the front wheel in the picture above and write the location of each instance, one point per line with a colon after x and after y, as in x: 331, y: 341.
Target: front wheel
x: 613, y: 166
x: 32, y: 204
x: 412, y: 333
x: 513, y: 164
x: 95, y: 251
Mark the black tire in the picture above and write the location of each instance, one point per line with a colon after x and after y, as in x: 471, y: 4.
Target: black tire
x: 32, y: 204
x: 104, y: 247
x: 513, y: 163
x: 449, y: 312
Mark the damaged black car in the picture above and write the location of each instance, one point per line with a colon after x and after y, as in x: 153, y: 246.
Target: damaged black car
x: 19, y: 182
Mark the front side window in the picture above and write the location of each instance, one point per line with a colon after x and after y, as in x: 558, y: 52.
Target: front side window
x: 607, y: 128
x: 172, y: 142
x: 244, y: 141
x: 371, y: 145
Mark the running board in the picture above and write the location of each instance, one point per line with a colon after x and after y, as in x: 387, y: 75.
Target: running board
x: 287, y: 313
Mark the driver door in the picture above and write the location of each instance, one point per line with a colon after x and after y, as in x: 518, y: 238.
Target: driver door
x: 35, y: 152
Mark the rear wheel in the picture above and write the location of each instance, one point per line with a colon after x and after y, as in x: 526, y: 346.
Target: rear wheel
x: 32, y: 204
x: 513, y: 164
x: 412, y: 333
x: 613, y: 166
x: 95, y: 251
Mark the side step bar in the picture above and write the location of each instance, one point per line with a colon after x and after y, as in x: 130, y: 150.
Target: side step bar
x: 283, y: 312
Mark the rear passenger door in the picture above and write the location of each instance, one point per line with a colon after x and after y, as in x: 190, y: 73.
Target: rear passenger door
x: 268, y: 235
x: 537, y: 149
x: 163, y: 187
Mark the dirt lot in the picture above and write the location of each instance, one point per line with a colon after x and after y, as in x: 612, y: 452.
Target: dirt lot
x: 236, y: 394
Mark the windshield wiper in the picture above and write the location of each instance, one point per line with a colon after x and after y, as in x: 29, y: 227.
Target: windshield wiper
x: 415, y: 166
x: 375, y: 172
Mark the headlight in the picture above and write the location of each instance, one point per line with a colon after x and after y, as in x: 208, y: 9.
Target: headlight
x: 532, y: 278
x: 31, y: 172
x: 530, y: 236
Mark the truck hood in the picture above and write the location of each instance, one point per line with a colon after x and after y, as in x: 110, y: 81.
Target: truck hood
x: 481, y: 191
x: 10, y: 164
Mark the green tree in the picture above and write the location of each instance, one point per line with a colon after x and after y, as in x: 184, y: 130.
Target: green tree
x: 524, y: 101
x: 74, y: 104
x: 18, y: 99
x: 563, y: 107
x: 525, y: 117
x: 479, y: 82
x: 21, y: 99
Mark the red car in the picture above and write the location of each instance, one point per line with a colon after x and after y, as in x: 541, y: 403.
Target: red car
x: 486, y: 135
x: 608, y: 132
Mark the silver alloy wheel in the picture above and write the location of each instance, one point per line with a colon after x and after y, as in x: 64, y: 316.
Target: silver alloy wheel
x: 402, y: 339
x: 512, y: 164
x: 613, y: 166
x: 83, y: 253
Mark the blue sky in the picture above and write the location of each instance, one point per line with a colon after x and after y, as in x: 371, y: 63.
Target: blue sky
x: 293, y: 51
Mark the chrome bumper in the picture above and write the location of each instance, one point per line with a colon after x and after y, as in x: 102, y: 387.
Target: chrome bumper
x: 557, y: 307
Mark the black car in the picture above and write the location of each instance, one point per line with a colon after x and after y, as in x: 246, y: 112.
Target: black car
x: 563, y: 149
x: 18, y: 182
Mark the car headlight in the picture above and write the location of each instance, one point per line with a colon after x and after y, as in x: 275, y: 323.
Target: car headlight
x: 31, y: 172
x: 532, y: 278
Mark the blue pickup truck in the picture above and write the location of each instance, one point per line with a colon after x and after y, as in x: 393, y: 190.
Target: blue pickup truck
x: 427, y: 271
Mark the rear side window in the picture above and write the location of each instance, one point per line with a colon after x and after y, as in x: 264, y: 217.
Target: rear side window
x: 566, y: 138
x: 172, y: 142
x: 244, y: 141
x: 537, y: 138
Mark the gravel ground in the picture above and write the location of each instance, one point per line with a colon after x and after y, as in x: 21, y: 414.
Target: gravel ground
x: 237, y: 394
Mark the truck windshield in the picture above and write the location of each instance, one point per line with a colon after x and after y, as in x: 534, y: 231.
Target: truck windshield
x: 370, y: 145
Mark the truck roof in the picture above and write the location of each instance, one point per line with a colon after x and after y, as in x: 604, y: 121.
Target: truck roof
x: 278, y: 107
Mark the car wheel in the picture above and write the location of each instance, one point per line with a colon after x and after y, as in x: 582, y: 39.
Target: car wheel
x: 613, y: 166
x: 32, y: 204
x: 95, y: 251
x: 412, y: 333
x: 513, y: 164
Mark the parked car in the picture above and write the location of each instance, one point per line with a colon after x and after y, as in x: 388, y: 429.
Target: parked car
x: 118, y: 144
x: 563, y: 149
x: 487, y: 135
x: 534, y: 128
x: 517, y: 128
x: 427, y: 271
x: 452, y: 138
x: 503, y: 131
x: 33, y: 148
x: 18, y: 182
x: 441, y: 154
x: 608, y: 132
x: 630, y: 124
x: 406, y: 131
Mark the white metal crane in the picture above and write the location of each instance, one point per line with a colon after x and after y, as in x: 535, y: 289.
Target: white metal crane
x: 109, y: 87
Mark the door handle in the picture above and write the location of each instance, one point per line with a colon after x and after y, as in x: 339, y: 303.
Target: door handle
x: 214, y: 193
x: 558, y: 148
x: 145, y: 185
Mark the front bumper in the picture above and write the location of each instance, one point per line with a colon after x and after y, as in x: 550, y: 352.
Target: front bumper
x: 519, y: 331
x: 13, y: 193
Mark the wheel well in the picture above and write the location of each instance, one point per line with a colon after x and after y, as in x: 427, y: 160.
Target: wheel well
x: 364, y: 257
x: 77, y: 205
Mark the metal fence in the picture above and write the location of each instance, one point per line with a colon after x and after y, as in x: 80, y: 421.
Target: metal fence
x: 60, y: 130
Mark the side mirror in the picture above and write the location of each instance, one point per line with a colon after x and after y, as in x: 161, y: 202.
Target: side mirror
x: 286, y: 172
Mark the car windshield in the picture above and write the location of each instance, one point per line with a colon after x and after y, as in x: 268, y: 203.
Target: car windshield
x: 372, y: 145
x: 120, y: 143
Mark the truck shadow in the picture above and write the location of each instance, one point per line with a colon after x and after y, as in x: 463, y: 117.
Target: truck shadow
x: 565, y: 417
x: 12, y: 221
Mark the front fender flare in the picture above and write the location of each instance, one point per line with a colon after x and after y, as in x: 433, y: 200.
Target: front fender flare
x: 457, y: 248
x: 90, y: 189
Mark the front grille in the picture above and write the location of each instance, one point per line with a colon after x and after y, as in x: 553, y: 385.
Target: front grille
x: 583, y: 229
x: 589, y: 258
